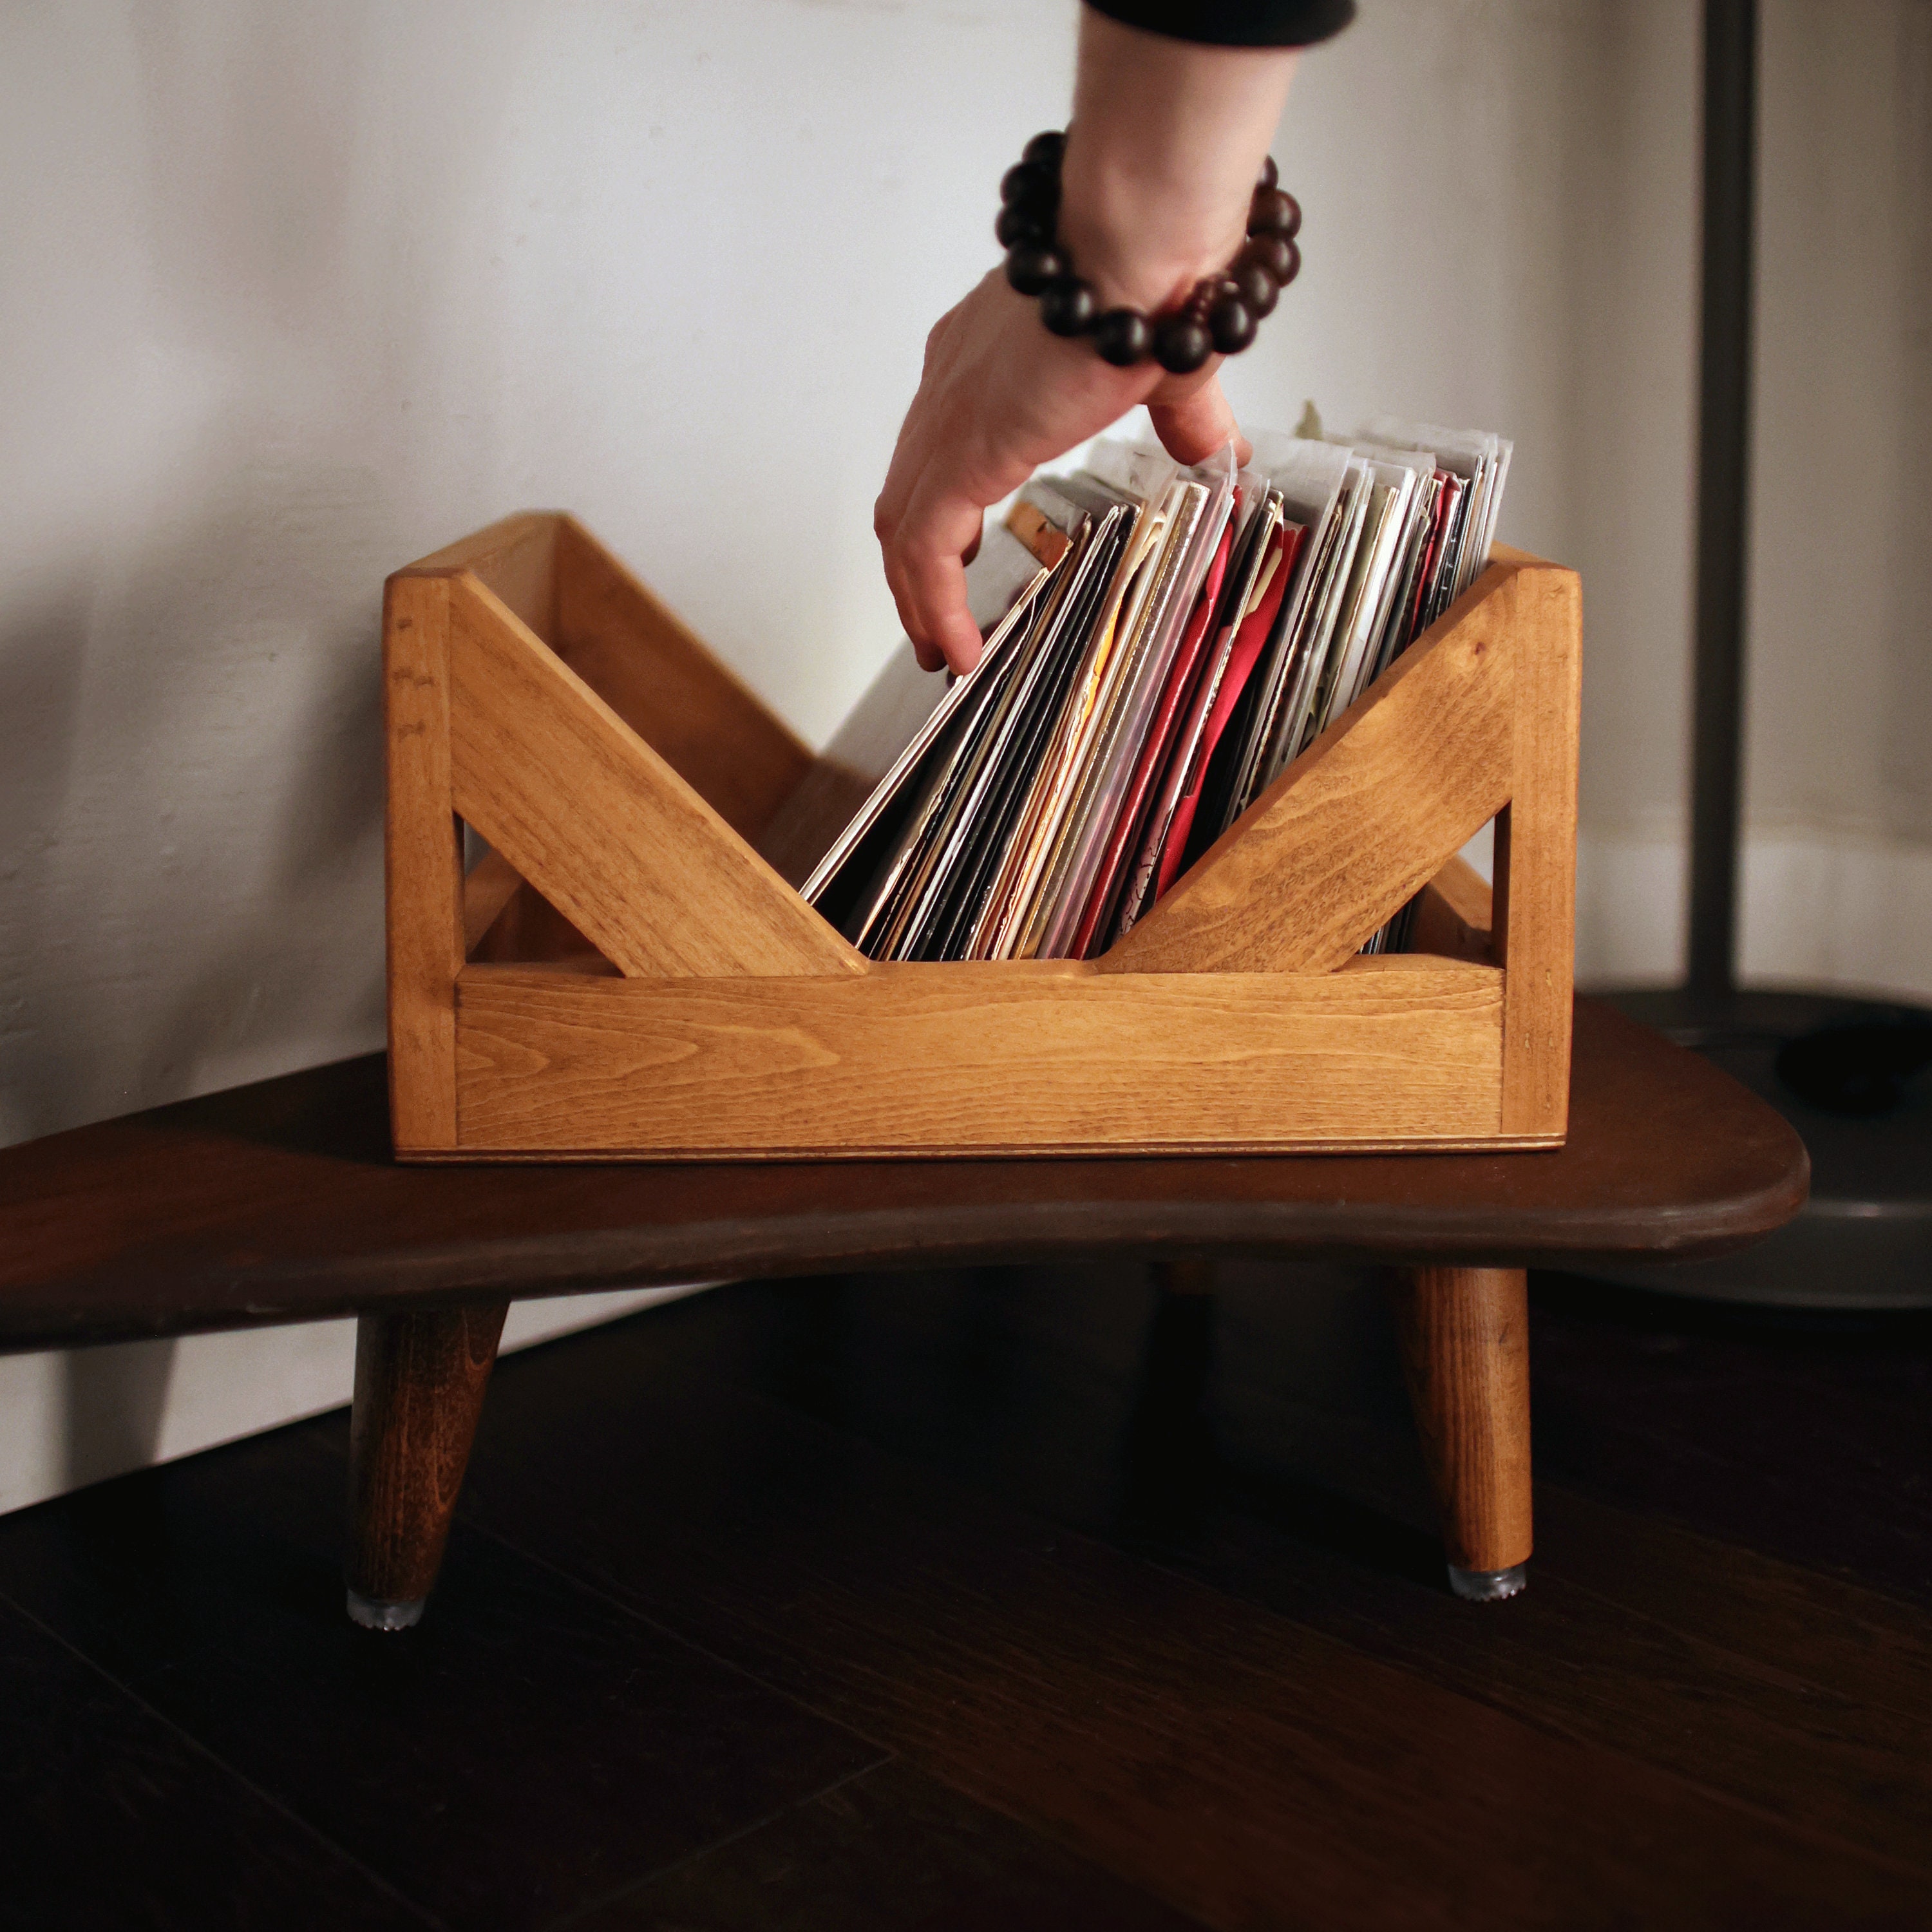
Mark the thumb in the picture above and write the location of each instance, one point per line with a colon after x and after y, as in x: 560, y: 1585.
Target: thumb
x: 1191, y: 426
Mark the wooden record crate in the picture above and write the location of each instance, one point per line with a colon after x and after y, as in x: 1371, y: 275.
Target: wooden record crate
x: 624, y: 977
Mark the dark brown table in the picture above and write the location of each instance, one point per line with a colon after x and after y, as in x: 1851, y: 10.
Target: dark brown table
x: 279, y: 1202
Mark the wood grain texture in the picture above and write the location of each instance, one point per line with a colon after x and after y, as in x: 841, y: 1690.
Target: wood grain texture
x: 594, y: 819
x: 656, y: 674
x: 281, y: 1202
x: 419, y: 1384
x: 422, y: 864
x: 1464, y: 1336
x: 1362, y: 820
x: 110, y: 1817
x: 889, y: 1851
x: 515, y: 560
x: 531, y: 1749
x: 1248, y: 1768
x: 1536, y: 849
x: 1799, y: 1692
x: 1048, y: 1057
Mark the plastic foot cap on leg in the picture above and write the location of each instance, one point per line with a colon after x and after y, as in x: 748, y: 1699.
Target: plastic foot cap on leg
x: 376, y: 1613
x: 1488, y: 1586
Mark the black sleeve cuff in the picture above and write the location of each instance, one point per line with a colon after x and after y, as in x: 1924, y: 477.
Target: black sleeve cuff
x: 1234, y: 23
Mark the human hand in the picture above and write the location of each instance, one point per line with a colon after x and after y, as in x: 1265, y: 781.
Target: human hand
x: 999, y: 396
x: 1159, y: 166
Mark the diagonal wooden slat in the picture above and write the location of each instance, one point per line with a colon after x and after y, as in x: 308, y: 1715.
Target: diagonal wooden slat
x: 600, y: 825
x: 1362, y: 820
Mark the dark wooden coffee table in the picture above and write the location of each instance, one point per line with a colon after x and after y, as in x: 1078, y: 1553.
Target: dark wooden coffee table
x: 279, y: 1202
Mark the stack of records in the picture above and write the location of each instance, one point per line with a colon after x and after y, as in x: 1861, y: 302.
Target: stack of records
x: 1161, y: 643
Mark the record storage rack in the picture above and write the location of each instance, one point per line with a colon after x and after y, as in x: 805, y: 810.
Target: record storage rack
x: 623, y: 977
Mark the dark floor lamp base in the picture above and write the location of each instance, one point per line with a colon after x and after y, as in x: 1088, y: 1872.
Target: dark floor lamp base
x: 1864, y: 1238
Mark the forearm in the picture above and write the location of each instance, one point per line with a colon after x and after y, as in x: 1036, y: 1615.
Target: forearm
x: 1168, y: 138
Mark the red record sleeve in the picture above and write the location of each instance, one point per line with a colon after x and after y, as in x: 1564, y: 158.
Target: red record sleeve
x: 1241, y: 662
x: 1181, y: 677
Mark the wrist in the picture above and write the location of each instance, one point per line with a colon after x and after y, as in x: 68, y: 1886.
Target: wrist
x: 1141, y: 239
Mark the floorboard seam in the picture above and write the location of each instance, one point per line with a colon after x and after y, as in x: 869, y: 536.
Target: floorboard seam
x: 577, y: 1913
x: 1550, y: 1726
x: 889, y: 1754
x: 1827, y: 1843
x: 630, y: 1609
x: 276, y: 1804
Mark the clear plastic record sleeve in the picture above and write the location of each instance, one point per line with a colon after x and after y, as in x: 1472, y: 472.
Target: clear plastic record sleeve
x: 1010, y: 915
x: 1252, y: 595
x: 1118, y: 856
x: 1023, y: 935
x: 1278, y: 733
x: 1192, y: 545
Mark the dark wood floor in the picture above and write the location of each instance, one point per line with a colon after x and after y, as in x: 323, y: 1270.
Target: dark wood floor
x: 1013, y: 1600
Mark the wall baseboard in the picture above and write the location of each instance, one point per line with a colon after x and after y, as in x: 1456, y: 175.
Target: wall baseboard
x: 1835, y: 912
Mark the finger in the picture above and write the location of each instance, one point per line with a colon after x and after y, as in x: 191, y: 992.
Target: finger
x: 929, y: 551
x: 1193, y: 426
x: 909, y: 617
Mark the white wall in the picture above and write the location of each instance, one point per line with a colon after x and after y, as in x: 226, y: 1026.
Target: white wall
x: 294, y: 294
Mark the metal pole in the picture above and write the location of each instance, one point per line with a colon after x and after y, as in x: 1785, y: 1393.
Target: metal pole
x: 1724, y: 451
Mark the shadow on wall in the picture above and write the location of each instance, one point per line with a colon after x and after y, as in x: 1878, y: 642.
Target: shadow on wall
x: 191, y: 761
x: 115, y: 1401
x: 250, y: 285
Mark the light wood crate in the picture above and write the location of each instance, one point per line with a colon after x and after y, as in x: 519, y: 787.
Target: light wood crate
x: 623, y: 977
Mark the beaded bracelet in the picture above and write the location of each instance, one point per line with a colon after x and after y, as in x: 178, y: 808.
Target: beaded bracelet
x: 1220, y: 311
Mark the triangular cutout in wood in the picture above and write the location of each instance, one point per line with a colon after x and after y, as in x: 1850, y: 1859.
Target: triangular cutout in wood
x: 507, y: 922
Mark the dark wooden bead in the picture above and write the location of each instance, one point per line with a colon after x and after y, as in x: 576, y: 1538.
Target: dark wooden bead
x: 1274, y: 252
x: 1270, y: 174
x: 1231, y: 324
x: 1294, y: 265
x: 1273, y: 211
x: 1032, y: 269
x: 1123, y: 336
x: 1047, y: 149
x: 1028, y: 184
x: 1181, y: 344
x: 1258, y: 289
x: 1018, y: 227
x: 1068, y: 306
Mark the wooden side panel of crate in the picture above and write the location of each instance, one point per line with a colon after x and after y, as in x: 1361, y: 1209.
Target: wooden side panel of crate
x: 515, y: 560
x: 422, y: 864
x: 1535, y: 918
x: 1009, y: 1057
x: 598, y: 822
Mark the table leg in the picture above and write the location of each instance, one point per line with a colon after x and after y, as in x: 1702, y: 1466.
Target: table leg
x: 1185, y: 1274
x: 419, y: 1383
x: 1465, y: 1351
